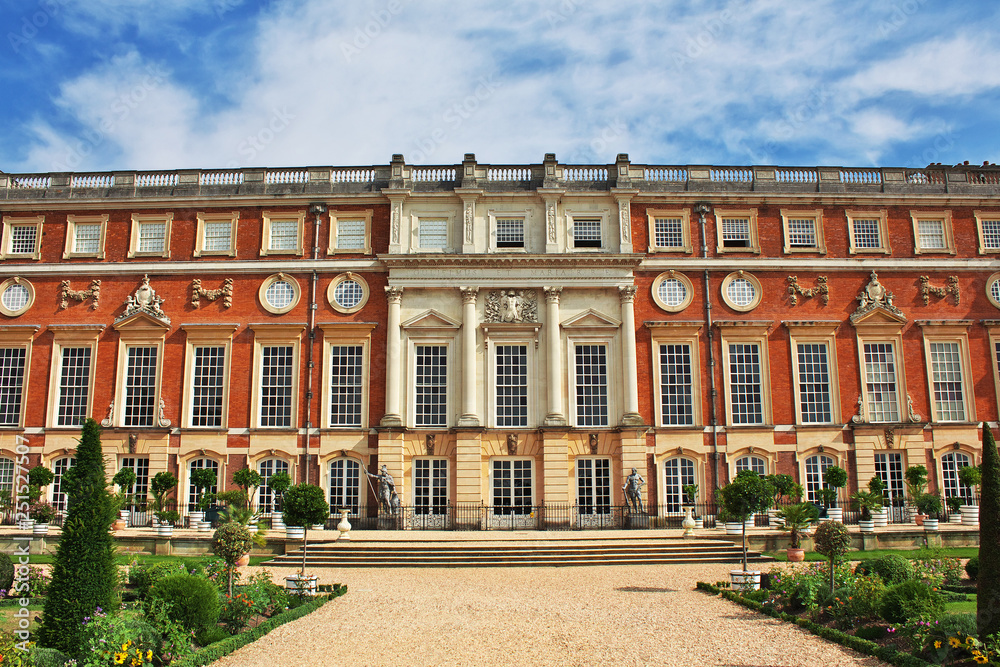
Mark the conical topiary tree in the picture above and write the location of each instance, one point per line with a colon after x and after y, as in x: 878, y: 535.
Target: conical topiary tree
x: 84, y: 574
x: 988, y: 584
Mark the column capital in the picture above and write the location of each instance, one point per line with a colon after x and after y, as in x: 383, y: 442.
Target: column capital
x: 552, y: 294
x: 394, y: 293
x: 469, y: 294
x: 626, y: 293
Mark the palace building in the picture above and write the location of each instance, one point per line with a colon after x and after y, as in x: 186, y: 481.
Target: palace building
x: 510, y: 341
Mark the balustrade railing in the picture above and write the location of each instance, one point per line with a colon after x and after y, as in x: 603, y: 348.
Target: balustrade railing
x: 508, y: 174
x: 431, y: 174
x: 861, y: 176
x: 220, y: 178
x: 30, y: 181
x: 348, y: 175
x: 286, y: 176
x: 796, y: 175
x: 732, y: 175
x: 92, y: 180
x: 666, y: 174
x: 585, y: 173
x: 156, y: 180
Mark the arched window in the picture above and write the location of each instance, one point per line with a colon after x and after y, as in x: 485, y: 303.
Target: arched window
x: 815, y: 466
x: 6, y: 479
x: 345, y: 477
x: 678, y: 473
x: 59, y: 468
x: 265, y: 497
x: 950, y: 465
x: 193, y: 492
x: 754, y: 463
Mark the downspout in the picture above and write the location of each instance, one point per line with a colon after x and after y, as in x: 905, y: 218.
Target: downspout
x: 701, y: 210
x: 317, y: 210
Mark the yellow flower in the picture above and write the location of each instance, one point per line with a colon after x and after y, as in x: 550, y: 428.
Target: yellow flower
x: 937, y: 644
x: 125, y: 646
x: 119, y: 658
x: 149, y: 654
x: 980, y: 659
x: 953, y: 642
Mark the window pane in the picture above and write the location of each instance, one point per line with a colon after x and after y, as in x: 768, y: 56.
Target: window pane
x: 668, y: 233
x: 22, y: 239
x: 346, y: 383
x: 430, y: 486
x: 754, y: 463
x: 209, y: 381
x: 815, y: 466
x: 192, y: 491
x: 512, y: 385
x: 433, y: 233
x: 431, y: 402
x: 889, y: 468
x: 741, y: 291
x: 348, y: 293
x: 931, y: 234
x: 591, y: 385
x: 59, y: 469
x: 87, y: 238
x: 676, y: 406
x: 152, y: 236
x: 672, y: 291
x: 11, y: 384
x: 279, y: 294
x: 946, y: 369
x: 510, y: 232
x: 284, y: 235
x: 140, y: 466
x: 880, y: 377
x: 217, y: 236
x: 593, y: 486
x: 350, y: 234
x: 736, y: 233
x: 140, y: 386
x: 814, y: 383
x: 866, y: 233
x: 74, y: 386
x: 344, y: 484
x: 587, y: 233
x: 276, y: 385
x: 802, y: 233
x: 678, y: 473
x: 511, y: 486
x: 15, y: 297
x: 991, y: 234
x: 745, y: 384
x: 950, y: 465
x: 265, y: 496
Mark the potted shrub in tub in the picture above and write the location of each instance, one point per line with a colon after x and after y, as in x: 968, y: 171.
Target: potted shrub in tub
x: 835, y: 478
x: 124, y: 479
x: 929, y: 506
x: 202, y: 479
x: 279, y: 483
x: 305, y: 505
x: 43, y: 514
x: 796, y: 520
x: 866, y: 502
x: 39, y: 477
x: 881, y: 516
x: 916, y: 485
x: 955, y: 509
x: 745, y: 496
x: 784, y: 487
x: 971, y: 476
x: 162, y: 484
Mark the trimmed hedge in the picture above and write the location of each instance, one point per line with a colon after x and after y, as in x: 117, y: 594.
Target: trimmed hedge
x: 885, y: 653
x: 210, y: 654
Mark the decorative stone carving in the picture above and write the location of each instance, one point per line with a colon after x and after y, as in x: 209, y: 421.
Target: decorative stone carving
x: 624, y: 213
x: 393, y: 293
x: 94, y: 292
x: 890, y: 438
x: 913, y: 416
x: 860, y: 418
x: 145, y: 300
x: 469, y: 294
x: 109, y: 420
x: 161, y: 419
x: 550, y: 221
x: 552, y: 294
x: 594, y: 443
x: 875, y: 296
x: 133, y: 441
x: 926, y: 289
x: 626, y: 293
x: 511, y: 306
x: 397, y: 213
x: 469, y: 214
x: 197, y: 292
x: 511, y: 444
x: 821, y: 289
x: 429, y: 443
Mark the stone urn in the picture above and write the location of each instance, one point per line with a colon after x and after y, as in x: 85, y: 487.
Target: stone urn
x: 295, y: 532
x: 345, y: 526
x: 165, y: 530
x: 795, y: 555
x: 931, y: 524
x: 688, y: 522
x: 40, y: 529
x: 867, y: 526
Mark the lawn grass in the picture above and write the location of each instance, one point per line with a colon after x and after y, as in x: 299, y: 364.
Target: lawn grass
x: 967, y: 607
x: 953, y: 552
x: 8, y: 623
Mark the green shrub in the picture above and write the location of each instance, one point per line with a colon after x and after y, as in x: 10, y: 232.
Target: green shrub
x: 211, y: 635
x: 872, y: 632
x: 952, y: 625
x: 143, y: 577
x: 863, y: 568
x: 972, y: 568
x: 194, y: 600
x: 866, y: 596
x: 104, y: 635
x: 6, y: 572
x: 48, y: 657
x: 893, y: 568
x: 910, y: 599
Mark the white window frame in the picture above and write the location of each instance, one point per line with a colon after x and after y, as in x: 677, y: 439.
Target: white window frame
x: 746, y: 461
x: 673, y: 499
x: 993, y: 331
x: 275, y: 335
x: 430, y: 328
x: 336, y: 334
x: 524, y: 215
x: 955, y: 333
x: 188, y: 485
x: 815, y: 333
x: 899, y: 371
x: 951, y: 485
x: 328, y: 478
x: 206, y: 335
x: 512, y: 335
x: 7, y: 240
x: 684, y: 215
x: 269, y: 217
x: 751, y: 216
x: 679, y: 277
x: 20, y: 337
x: 947, y: 235
x: 270, y: 280
x: 138, y: 331
x: 206, y: 218
x: 55, y: 488
x: 336, y: 217
x: 744, y: 333
x: 72, y: 223
x: 596, y: 508
x: 264, y: 487
x: 449, y: 225
x: 71, y: 336
x: 331, y: 292
x: 534, y: 484
x: 572, y: 216
x: 981, y: 217
x: 811, y: 488
x: 609, y: 380
x: 816, y: 215
x: 140, y: 219
x: 885, y: 247
x: 24, y: 283
x: 676, y: 333
x: 447, y: 343
x: 431, y: 508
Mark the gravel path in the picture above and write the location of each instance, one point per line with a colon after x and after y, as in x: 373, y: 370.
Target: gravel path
x: 612, y: 615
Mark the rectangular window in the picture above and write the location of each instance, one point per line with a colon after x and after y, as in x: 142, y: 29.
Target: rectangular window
x: 586, y: 233
x: 23, y: 239
x: 991, y: 234
x: 512, y: 385
x: 87, y: 238
x: 431, y: 391
x: 668, y: 232
x: 510, y: 232
x: 218, y: 236
x: 511, y: 486
x: 209, y: 384
x: 676, y: 396
x: 430, y: 486
x: 946, y: 375
x: 889, y: 468
x: 140, y: 386
x: 591, y: 385
x: 814, y: 383
x: 433, y: 233
x: 152, y: 236
x: 140, y: 466
x: 12, y: 361
x: 736, y: 233
x: 745, y: 384
x: 346, y: 384
x: 74, y: 386
x: 284, y: 235
x: 880, y: 381
x: 593, y: 486
x: 351, y: 234
x: 931, y: 235
x: 276, y: 385
x: 866, y: 233
x: 802, y: 233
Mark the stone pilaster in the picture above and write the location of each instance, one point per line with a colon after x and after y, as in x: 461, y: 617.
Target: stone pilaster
x: 555, y: 468
x: 624, y: 197
x: 468, y: 471
x: 629, y: 364
x: 390, y: 454
x: 553, y: 350
x: 393, y: 358
x: 469, y: 323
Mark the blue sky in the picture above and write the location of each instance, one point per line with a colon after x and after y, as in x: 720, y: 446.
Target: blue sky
x: 164, y: 84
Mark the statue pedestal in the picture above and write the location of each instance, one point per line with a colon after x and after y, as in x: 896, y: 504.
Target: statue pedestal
x: 344, y: 526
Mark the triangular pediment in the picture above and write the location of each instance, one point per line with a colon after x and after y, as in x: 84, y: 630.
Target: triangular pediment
x: 590, y: 319
x: 142, y: 321
x: 431, y: 319
x: 877, y: 316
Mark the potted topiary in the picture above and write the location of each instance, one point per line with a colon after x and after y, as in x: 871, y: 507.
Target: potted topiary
x: 796, y: 520
x: 832, y: 540
x: 124, y: 479
x: 929, y: 506
x: 691, y: 496
x: 971, y: 476
x: 835, y: 478
x: 232, y: 543
x: 745, y: 496
x: 279, y: 483
x: 783, y: 486
x: 42, y: 513
x: 162, y: 484
x: 248, y: 479
x: 916, y: 485
x: 305, y: 505
x: 202, y: 479
x: 39, y: 477
x: 955, y: 508
x: 866, y: 502
x: 881, y: 516
x: 827, y: 497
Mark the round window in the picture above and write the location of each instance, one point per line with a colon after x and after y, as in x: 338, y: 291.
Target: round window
x: 348, y: 293
x: 16, y: 296
x: 741, y: 291
x: 279, y: 293
x: 672, y: 291
x: 993, y: 289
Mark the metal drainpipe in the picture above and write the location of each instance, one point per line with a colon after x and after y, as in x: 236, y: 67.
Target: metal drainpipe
x: 701, y: 210
x: 317, y: 210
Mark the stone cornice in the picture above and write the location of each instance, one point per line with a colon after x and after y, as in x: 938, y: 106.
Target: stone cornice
x: 512, y: 261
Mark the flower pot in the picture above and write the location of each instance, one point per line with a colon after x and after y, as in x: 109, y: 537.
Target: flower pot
x: 699, y: 523
x: 955, y: 517
x: 835, y: 514
x: 194, y: 518
x: 26, y: 524
x: 318, y: 526
x: 40, y: 529
x: 164, y: 530
x: 277, y: 520
x: 306, y: 585
x: 881, y: 518
x: 204, y: 526
x: 750, y: 523
x: 867, y: 526
x: 734, y: 528
x: 744, y: 581
x: 119, y: 524
x: 243, y: 560
x: 930, y: 524
x: 795, y: 555
x: 919, y: 519
x: 123, y: 515
x: 295, y: 532
x: 970, y: 515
